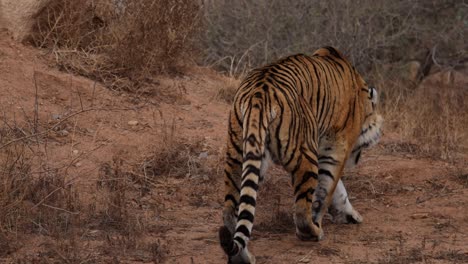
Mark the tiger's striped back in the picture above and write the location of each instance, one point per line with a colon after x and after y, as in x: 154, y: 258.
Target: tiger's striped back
x: 303, y: 112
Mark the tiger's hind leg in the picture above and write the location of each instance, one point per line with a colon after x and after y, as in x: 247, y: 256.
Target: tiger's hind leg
x: 304, y: 180
x: 341, y: 208
x: 331, y: 163
x: 231, y: 197
x: 232, y: 177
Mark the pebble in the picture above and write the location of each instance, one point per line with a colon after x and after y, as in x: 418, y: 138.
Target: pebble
x: 203, y: 155
x: 75, y: 152
x: 63, y: 133
x: 408, y: 188
x: 133, y: 123
x: 420, y: 216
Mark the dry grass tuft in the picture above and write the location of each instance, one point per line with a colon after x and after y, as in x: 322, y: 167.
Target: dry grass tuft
x: 114, y: 182
x: 120, y: 44
x: 15, y: 176
x: 462, y: 177
x: 229, y: 89
x: 44, y: 203
x: 56, y: 205
x: 430, y: 119
x: 124, y: 215
x: 175, y: 158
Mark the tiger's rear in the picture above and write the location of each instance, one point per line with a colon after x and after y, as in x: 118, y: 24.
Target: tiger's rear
x: 307, y: 114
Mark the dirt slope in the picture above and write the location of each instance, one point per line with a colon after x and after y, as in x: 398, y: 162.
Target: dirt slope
x: 414, y: 207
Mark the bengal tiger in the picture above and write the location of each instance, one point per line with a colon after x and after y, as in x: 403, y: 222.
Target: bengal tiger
x: 310, y: 114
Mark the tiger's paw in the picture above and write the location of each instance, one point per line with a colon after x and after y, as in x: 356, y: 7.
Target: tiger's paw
x: 245, y: 257
x: 353, y: 217
x: 305, y: 233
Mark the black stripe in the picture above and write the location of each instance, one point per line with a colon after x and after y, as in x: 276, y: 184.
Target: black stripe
x: 326, y: 172
x: 235, y: 161
x: 241, y: 241
x: 229, y: 176
x: 298, y: 164
x: 231, y: 198
x: 307, y: 175
x: 357, y: 157
x: 304, y: 195
x: 333, y: 52
x: 251, y: 169
x: 278, y: 128
x: 246, y: 215
x: 233, y: 143
x: 329, y: 162
x: 251, y: 184
x: 252, y: 156
x: 244, y: 230
x: 310, y: 159
x: 247, y: 199
x: 331, y: 159
x: 252, y: 140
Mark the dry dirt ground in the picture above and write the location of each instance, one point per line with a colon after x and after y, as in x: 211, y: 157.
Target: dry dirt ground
x: 414, y: 207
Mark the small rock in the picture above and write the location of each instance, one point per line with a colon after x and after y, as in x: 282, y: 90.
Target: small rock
x: 56, y: 116
x: 186, y: 107
x: 420, y: 216
x: 203, y: 155
x: 78, y: 164
x: 408, y: 188
x: 133, y: 123
x: 75, y: 152
x: 63, y: 133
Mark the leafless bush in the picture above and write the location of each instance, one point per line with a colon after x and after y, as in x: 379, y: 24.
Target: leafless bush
x: 243, y: 34
x: 121, y: 44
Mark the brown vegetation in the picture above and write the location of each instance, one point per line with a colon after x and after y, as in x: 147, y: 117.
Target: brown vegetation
x: 247, y: 34
x: 123, y: 45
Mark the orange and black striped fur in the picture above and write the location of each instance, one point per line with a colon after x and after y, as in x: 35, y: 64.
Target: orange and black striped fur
x: 310, y: 114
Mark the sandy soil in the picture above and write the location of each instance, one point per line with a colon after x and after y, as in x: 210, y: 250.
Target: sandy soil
x: 414, y: 207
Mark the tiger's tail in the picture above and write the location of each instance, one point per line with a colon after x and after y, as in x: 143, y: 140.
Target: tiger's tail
x: 255, y: 125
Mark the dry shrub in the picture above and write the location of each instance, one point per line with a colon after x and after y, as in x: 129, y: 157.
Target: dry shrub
x: 114, y: 182
x: 120, y: 43
x: 175, y: 157
x: 56, y: 205
x: 120, y: 218
x: 45, y: 203
x: 15, y: 175
x: 245, y: 34
x: 433, y: 116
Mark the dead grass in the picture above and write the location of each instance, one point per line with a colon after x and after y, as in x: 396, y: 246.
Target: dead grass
x: 430, y: 119
x: 175, y: 157
x: 121, y: 45
x: 41, y: 209
x: 461, y: 175
x: 42, y: 204
x: 241, y: 35
x: 227, y: 92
